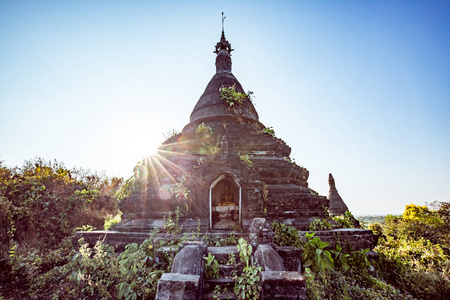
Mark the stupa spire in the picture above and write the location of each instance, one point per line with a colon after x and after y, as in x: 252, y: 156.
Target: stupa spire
x: 223, y: 44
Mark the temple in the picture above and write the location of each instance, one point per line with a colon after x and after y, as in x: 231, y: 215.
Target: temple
x: 224, y: 169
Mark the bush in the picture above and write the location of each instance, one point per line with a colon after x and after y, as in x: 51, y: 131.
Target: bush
x: 42, y: 202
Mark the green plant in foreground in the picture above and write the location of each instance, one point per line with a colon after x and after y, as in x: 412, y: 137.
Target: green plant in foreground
x: 315, y: 256
x: 246, y: 285
x: 211, y: 266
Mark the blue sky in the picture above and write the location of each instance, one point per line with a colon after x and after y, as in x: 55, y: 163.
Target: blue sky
x: 358, y: 89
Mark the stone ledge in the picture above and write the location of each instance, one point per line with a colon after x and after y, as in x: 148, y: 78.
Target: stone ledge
x: 174, y: 286
x: 283, y: 285
x: 350, y: 238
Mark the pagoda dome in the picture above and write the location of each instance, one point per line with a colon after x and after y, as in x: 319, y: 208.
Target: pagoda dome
x: 210, y: 106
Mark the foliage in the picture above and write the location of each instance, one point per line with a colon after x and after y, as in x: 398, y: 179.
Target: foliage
x: 315, y: 256
x: 171, y: 225
x: 207, y: 141
x: 180, y: 188
x: 231, y: 259
x: 246, y: 284
x: 336, y: 284
x: 231, y: 97
x: 286, y: 235
x: 319, y: 224
x: 413, y: 262
x: 269, y: 130
x: 442, y: 210
x: 211, y: 266
x: 232, y: 239
x: 41, y: 202
x: 88, y: 273
x: 204, y: 129
x: 245, y: 158
x: 421, y: 214
x: 111, y: 221
x: 414, y: 252
x: 212, y: 240
x: 340, y: 258
x: 170, y: 134
x: 345, y: 221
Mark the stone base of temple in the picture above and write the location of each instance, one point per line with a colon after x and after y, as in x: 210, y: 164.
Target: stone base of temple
x: 226, y: 225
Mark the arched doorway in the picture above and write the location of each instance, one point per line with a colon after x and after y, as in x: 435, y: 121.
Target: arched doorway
x: 225, y: 203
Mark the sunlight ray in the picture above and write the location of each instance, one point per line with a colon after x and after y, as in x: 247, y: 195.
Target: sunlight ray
x: 171, y: 163
x: 163, y: 168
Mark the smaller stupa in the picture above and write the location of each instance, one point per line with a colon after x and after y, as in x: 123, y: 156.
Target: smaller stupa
x: 337, y: 205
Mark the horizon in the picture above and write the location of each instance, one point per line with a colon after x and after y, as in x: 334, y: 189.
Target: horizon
x: 359, y: 91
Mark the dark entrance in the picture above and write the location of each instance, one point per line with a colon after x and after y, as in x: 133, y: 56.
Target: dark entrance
x: 225, y: 200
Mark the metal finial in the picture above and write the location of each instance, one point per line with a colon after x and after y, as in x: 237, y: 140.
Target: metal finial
x: 223, y: 19
x: 223, y: 44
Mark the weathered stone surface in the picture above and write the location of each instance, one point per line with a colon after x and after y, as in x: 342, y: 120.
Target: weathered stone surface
x: 260, y: 232
x: 222, y: 253
x: 173, y: 286
x: 268, y: 258
x: 350, y: 238
x: 190, y: 260
x: 291, y: 258
x: 372, y: 255
x: 337, y: 205
x: 283, y: 285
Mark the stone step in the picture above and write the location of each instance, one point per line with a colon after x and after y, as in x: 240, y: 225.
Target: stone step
x: 227, y: 270
x: 219, y: 281
x: 222, y: 253
x: 228, y: 295
x: 223, y: 284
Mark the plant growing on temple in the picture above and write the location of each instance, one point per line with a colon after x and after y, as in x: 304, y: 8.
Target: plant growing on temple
x: 231, y: 97
x: 171, y: 225
x: 207, y: 142
x: 232, y: 239
x: 231, y: 259
x: 211, y: 266
x: 204, y: 129
x: 246, y: 284
x: 269, y: 130
x: 170, y: 134
x: 286, y: 235
x: 319, y: 224
x: 245, y: 158
x: 345, y: 221
x: 180, y: 189
x: 315, y: 256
